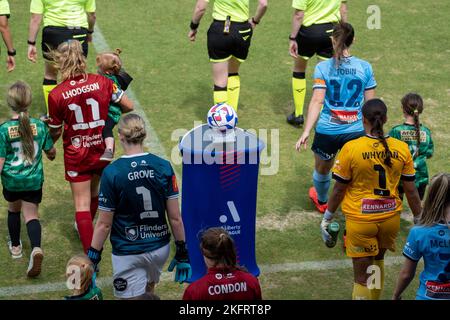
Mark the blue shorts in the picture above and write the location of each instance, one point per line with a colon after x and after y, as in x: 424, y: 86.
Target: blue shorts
x: 326, y: 146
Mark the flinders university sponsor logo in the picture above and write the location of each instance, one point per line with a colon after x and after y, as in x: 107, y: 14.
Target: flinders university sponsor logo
x: 86, y: 141
x: 143, y: 232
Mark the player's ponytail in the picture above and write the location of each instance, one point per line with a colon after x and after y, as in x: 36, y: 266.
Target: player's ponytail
x: 342, y: 39
x: 19, y: 99
x: 437, y: 201
x: 132, y: 128
x: 412, y: 105
x: 218, y: 246
x: 69, y: 59
x: 375, y: 111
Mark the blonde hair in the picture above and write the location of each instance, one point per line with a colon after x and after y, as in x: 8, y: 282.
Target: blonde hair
x: 109, y: 62
x: 132, y: 128
x: 69, y: 59
x: 19, y: 98
x: 437, y: 200
x: 85, y: 267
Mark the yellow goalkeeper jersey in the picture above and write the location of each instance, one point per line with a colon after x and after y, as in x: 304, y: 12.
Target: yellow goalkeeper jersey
x: 372, y: 192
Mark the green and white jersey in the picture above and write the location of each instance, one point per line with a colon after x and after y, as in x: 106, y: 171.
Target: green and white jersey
x: 114, y: 111
x: 238, y: 10
x: 4, y: 8
x: 407, y: 133
x: 319, y: 11
x: 16, y: 174
x: 94, y: 293
x: 63, y: 13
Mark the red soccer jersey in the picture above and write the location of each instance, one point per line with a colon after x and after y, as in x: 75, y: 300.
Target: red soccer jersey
x: 81, y: 105
x: 218, y: 284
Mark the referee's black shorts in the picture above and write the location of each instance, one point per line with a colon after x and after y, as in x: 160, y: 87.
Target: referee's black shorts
x: 222, y: 46
x: 52, y: 37
x: 315, y: 39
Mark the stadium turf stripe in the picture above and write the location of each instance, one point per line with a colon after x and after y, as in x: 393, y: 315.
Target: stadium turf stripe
x: 166, y: 276
x: 152, y: 142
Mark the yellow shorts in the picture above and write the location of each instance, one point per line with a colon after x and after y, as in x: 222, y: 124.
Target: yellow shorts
x: 364, y: 239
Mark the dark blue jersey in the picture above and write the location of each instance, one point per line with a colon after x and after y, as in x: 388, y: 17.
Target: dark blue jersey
x: 135, y: 189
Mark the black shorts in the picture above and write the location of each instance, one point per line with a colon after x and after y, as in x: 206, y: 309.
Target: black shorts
x: 52, y: 37
x: 315, y: 39
x: 221, y: 46
x: 326, y: 146
x: 28, y: 196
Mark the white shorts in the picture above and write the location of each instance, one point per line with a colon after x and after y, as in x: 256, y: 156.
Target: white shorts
x: 132, y: 273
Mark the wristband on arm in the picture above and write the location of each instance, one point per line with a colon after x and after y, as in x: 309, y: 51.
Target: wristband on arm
x: 193, y: 25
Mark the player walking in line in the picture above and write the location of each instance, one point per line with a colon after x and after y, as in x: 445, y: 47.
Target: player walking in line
x: 63, y: 20
x: 229, y: 38
x: 22, y: 140
x: 367, y: 173
x: 84, y: 287
x: 80, y: 103
x: 430, y: 240
x: 341, y: 85
x: 6, y: 34
x: 417, y: 137
x: 136, y: 191
x: 225, y: 280
x: 312, y: 25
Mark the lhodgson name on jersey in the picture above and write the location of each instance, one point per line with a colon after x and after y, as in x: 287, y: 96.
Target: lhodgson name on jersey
x: 77, y: 91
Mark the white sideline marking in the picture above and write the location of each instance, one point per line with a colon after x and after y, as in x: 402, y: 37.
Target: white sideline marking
x: 152, y: 142
x: 166, y: 276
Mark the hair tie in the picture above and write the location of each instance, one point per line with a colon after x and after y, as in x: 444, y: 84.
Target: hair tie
x: 416, y: 111
x: 222, y: 236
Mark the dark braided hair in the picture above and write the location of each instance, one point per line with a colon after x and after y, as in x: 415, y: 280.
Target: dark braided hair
x: 217, y: 245
x: 343, y: 35
x: 412, y: 105
x: 375, y: 111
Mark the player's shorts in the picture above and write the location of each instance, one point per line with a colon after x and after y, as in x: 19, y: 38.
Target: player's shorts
x: 74, y: 176
x: 27, y: 196
x: 315, y: 39
x: 132, y: 273
x: 221, y: 46
x: 364, y: 239
x: 52, y: 37
x: 326, y: 146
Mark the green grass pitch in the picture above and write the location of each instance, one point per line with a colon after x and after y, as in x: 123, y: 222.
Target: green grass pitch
x: 173, y: 83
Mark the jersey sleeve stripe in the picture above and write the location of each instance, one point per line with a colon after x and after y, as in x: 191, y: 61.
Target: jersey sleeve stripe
x: 55, y: 126
x: 340, y: 179
x: 106, y: 209
x: 370, y: 88
x: 410, y: 258
x: 175, y: 196
x: 408, y: 177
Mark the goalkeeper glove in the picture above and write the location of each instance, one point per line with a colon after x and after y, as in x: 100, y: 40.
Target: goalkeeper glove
x: 181, y: 262
x: 95, y: 256
x: 327, y: 218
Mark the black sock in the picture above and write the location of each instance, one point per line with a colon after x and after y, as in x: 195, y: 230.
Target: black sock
x: 34, y: 233
x: 321, y: 203
x: 14, y: 227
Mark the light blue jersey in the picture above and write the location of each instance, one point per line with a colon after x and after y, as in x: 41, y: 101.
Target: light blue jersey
x: 136, y: 189
x: 433, y: 244
x: 344, y: 98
